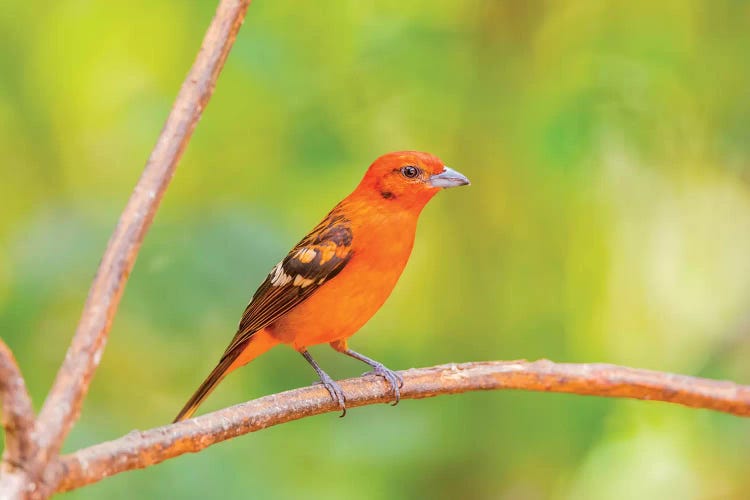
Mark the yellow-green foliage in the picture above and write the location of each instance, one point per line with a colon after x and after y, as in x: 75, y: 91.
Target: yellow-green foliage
x: 609, y: 220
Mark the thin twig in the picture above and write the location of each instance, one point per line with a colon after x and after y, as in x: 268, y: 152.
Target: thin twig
x: 18, y: 414
x: 63, y: 404
x: 141, y: 449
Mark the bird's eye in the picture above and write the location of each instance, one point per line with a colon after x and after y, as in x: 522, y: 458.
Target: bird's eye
x: 409, y: 171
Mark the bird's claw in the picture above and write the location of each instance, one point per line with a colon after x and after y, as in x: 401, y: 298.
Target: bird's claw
x: 393, y: 378
x: 335, y: 391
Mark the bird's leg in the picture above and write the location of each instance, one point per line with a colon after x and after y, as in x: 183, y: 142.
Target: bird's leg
x: 378, y: 368
x: 333, y: 388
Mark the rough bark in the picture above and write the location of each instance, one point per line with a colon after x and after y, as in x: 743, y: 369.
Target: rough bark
x: 141, y: 449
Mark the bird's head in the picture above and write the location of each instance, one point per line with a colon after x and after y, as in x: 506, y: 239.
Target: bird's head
x: 408, y: 179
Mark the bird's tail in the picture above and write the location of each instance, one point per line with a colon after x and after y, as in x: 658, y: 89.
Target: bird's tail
x: 256, y: 345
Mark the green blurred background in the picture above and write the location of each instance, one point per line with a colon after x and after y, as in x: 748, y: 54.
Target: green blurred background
x: 609, y: 220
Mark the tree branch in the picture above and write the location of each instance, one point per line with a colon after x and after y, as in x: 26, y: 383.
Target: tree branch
x: 141, y: 449
x: 63, y: 404
x: 31, y: 466
x: 18, y: 414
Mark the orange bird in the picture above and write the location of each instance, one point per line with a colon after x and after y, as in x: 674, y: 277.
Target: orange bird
x: 340, y: 274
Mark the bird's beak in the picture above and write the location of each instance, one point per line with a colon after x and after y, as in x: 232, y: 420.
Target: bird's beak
x: 448, y: 178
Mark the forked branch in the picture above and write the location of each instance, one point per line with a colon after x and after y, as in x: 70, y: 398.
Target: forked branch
x: 33, y: 476
x: 63, y: 404
x: 18, y: 414
x: 31, y: 465
x: 143, y: 449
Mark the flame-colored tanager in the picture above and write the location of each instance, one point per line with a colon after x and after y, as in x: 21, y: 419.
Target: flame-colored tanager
x: 340, y: 274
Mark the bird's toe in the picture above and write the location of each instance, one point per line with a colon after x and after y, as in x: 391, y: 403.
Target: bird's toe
x: 337, y: 394
x: 395, y: 380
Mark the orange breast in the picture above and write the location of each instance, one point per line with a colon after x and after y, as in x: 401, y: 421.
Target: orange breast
x: 344, y: 304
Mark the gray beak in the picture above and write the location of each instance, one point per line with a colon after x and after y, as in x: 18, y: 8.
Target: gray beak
x: 448, y: 178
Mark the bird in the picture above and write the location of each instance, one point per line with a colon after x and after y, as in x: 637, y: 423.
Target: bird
x: 340, y: 274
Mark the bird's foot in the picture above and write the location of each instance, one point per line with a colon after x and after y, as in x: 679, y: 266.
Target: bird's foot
x: 334, y: 390
x: 393, y: 378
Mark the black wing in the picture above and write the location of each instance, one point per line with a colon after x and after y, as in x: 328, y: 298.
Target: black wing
x: 320, y: 256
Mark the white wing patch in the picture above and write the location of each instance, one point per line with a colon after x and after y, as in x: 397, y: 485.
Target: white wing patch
x: 279, y: 278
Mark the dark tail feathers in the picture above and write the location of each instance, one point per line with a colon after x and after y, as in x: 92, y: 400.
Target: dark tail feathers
x: 208, y: 385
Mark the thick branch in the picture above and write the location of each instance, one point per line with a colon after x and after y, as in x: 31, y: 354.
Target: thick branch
x: 138, y: 450
x: 63, y: 405
x: 18, y: 414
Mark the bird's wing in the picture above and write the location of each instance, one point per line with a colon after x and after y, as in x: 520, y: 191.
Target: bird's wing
x: 320, y: 256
